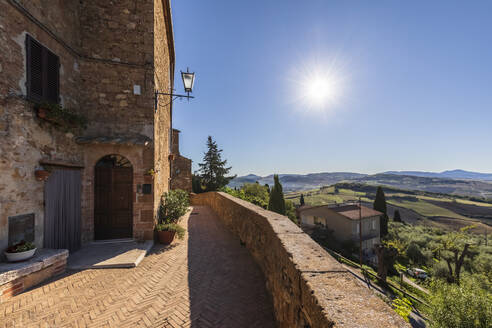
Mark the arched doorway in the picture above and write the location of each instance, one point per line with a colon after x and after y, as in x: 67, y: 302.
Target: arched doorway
x: 113, y: 201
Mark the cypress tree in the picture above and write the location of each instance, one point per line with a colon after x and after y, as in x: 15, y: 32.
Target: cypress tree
x: 302, y: 199
x: 277, y: 202
x: 380, y: 205
x: 397, y: 217
x: 213, y: 170
x: 196, y: 184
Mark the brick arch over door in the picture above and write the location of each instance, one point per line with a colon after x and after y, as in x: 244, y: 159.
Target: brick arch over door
x: 113, y: 198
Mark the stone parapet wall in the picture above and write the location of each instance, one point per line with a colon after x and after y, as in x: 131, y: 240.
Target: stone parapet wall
x: 309, y: 287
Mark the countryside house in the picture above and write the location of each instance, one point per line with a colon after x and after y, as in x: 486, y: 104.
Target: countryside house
x: 345, y: 221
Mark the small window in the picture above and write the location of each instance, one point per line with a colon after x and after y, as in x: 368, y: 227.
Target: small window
x: 43, y: 73
x: 357, y: 228
x: 373, y: 224
x: 147, y: 188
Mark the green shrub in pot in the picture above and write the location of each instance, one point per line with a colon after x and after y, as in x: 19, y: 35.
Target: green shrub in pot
x: 173, y: 227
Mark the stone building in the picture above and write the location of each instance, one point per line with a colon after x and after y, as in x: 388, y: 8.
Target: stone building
x: 180, y: 166
x: 103, y: 60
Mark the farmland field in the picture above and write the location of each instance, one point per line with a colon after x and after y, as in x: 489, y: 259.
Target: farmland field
x: 440, y: 210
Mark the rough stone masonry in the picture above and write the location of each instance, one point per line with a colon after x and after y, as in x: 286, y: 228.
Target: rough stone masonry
x: 112, y: 54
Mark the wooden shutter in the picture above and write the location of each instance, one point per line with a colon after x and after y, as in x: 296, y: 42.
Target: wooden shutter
x: 52, y: 77
x: 34, y: 62
x: 43, y: 72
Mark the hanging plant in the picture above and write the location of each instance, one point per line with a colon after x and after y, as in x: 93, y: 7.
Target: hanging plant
x: 63, y: 118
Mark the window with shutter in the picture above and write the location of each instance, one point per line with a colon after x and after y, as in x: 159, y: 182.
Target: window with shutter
x: 43, y: 72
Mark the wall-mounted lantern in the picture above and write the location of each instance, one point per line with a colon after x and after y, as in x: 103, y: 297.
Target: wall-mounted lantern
x: 188, y: 82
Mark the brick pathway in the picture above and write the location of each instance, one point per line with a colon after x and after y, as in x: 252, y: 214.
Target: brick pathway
x: 205, y: 280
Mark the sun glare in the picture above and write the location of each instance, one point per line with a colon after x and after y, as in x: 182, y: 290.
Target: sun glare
x: 320, y: 90
x: 318, y: 87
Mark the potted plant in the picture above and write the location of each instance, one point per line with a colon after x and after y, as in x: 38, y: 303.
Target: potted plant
x: 42, y: 111
x: 64, y: 118
x: 41, y: 173
x: 174, y: 205
x: 167, y: 231
x: 20, y: 251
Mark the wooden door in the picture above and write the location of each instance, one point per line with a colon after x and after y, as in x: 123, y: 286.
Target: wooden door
x: 113, y: 201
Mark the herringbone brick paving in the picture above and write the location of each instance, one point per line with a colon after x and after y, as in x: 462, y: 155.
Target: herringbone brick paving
x: 205, y: 280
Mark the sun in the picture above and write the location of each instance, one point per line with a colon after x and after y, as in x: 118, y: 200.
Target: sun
x: 320, y: 90
x: 318, y: 86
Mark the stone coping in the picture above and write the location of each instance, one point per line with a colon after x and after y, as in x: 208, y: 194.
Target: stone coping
x: 43, y: 258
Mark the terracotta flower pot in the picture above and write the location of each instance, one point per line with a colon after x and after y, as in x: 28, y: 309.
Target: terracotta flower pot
x: 166, y: 237
x: 41, y: 175
x: 42, y: 112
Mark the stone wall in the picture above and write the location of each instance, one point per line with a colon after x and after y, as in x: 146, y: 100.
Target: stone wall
x: 105, y: 49
x: 25, y: 139
x: 181, y: 173
x: 163, y: 81
x: 117, y: 45
x: 309, y: 288
x: 180, y: 166
x: 142, y: 160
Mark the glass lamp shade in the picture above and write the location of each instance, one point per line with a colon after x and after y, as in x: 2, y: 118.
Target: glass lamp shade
x: 188, y: 80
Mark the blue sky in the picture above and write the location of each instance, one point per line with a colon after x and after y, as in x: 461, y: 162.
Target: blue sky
x: 410, y: 84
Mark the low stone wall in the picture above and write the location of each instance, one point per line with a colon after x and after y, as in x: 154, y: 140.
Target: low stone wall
x: 309, y: 287
x: 17, y: 277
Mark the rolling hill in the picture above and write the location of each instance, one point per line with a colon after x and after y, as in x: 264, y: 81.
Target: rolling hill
x: 297, y: 182
x: 293, y: 182
x: 451, y: 174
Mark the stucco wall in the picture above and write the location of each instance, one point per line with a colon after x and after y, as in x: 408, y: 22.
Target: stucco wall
x: 309, y: 288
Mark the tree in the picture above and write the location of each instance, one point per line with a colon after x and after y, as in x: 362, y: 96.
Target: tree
x: 465, y: 305
x: 256, y: 194
x: 213, y: 170
x: 302, y: 200
x: 196, y: 184
x: 397, y: 217
x: 277, y: 202
x: 414, y: 253
x: 290, y: 211
x: 454, y: 247
x: 380, y: 205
